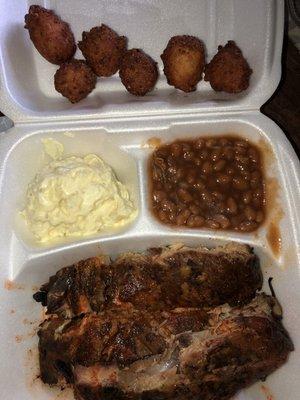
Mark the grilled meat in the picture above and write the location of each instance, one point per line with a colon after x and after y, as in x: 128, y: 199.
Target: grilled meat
x: 173, y: 322
x: 163, y: 278
x: 116, y: 336
x: 239, y: 350
x: 180, y: 276
x: 138, y: 354
x: 77, y: 289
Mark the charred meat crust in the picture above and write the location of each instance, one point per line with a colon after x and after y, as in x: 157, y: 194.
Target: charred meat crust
x: 209, y: 277
x: 77, y: 289
x: 234, y: 348
x: 112, y: 337
x: 166, y: 278
x: 237, y: 353
x: 113, y: 334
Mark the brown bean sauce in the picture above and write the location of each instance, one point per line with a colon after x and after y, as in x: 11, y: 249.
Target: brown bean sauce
x: 274, y: 238
x: 208, y: 182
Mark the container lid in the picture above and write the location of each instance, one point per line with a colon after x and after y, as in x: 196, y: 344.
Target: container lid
x: 27, y: 91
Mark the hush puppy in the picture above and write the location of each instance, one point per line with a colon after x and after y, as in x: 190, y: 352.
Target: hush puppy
x: 103, y: 49
x: 228, y: 71
x: 184, y: 61
x: 138, y: 72
x: 74, y: 80
x: 51, y: 36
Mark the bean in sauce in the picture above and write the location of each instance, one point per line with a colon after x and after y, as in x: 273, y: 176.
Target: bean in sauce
x: 215, y: 183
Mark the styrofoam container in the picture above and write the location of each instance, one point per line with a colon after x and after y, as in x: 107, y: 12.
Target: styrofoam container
x: 28, y: 92
x: 119, y: 127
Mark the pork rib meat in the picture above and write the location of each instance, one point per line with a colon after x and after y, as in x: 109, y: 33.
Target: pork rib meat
x: 172, y: 322
x: 163, y: 278
x: 137, y: 354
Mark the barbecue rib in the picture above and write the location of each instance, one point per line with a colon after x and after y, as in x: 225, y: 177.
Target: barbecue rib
x: 77, y: 289
x: 137, y: 354
x: 165, y: 278
x: 114, y: 336
x: 174, y: 322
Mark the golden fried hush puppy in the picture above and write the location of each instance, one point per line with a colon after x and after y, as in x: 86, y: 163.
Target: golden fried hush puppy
x: 184, y: 61
x: 138, y: 72
x: 74, y: 80
x: 228, y: 71
x: 51, y: 36
x: 103, y: 49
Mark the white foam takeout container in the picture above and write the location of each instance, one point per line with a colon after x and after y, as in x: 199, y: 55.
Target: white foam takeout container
x: 118, y: 126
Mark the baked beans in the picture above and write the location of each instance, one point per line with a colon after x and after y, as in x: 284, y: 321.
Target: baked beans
x: 215, y: 183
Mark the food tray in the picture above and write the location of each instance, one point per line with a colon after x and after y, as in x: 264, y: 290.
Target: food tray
x: 27, y: 79
x: 111, y: 118
x: 28, y: 266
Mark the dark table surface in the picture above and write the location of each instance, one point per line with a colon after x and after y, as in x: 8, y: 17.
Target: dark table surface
x: 284, y: 105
